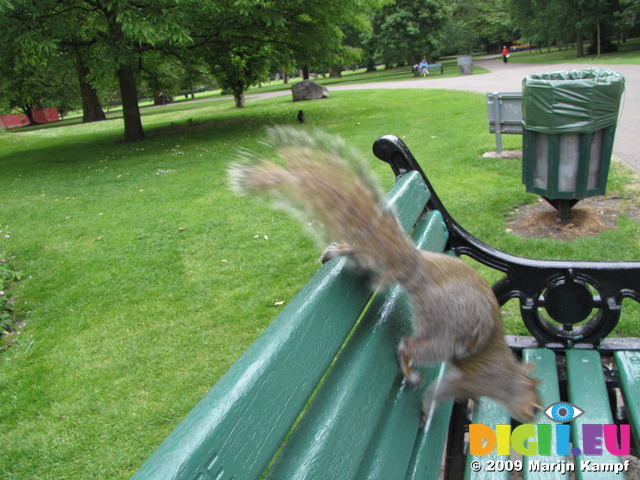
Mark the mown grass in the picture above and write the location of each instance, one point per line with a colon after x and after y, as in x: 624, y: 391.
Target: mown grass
x: 149, y: 278
x: 628, y: 54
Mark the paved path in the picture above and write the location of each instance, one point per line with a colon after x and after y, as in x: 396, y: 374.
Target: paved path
x: 508, y: 78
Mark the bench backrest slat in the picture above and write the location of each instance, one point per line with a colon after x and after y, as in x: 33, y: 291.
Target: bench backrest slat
x: 491, y: 413
x: 235, y: 430
x: 419, y: 452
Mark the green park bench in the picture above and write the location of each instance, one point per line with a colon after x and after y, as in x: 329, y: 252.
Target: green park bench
x: 433, y: 67
x: 436, y: 66
x: 319, y: 394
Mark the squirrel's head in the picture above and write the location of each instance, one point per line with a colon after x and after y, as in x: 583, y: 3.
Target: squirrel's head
x: 524, y: 405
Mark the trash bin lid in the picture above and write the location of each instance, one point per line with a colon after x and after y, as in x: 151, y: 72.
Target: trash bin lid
x: 576, y: 101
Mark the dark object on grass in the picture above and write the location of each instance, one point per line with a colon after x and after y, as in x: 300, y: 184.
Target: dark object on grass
x: 301, y: 117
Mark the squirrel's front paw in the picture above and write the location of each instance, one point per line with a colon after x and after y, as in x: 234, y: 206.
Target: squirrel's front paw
x: 332, y: 251
x: 413, y: 379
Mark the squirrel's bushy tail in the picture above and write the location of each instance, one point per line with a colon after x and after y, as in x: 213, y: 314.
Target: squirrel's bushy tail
x: 320, y: 175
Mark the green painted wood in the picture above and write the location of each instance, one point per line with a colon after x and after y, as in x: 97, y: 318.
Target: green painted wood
x: 628, y: 364
x: 389, y: 449
x: 553, y: 190
x: 587, y: 390
x: 235, y: 430
x: 547, y: 372
x: 408, y: 198
x: 584, y: 160
x: 397, y: 440
x: 488, y: 413
x: 426, y: 458
x: 608, y: 137
x: 334, y: 433
x: 528, y: 158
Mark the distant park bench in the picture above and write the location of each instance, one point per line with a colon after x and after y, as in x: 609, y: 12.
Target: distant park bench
x: 319, y: 394
x: 432, y: 68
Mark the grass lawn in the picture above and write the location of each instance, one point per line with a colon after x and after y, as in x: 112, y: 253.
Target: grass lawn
x: 628, y: 54
x: 146, y: 278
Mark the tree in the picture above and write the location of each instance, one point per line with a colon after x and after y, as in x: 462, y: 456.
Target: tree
x: 545, y: 22
x: 478, y: 24
x: 29, y: 44
x: 560, y: 22
x: 598, y: 18
x: 407, y: 30
x: 628, y: 17
x: 121, y: 31
x: 239, y: 40
x: 246, y: 40
x: 31, y: 77
x: 238, y: 69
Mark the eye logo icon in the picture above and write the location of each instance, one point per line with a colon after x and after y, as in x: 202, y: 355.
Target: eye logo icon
x: 563, y: 412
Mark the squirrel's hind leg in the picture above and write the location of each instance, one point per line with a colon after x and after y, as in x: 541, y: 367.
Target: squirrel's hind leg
x: 421, y: 351
x: 444, y: 387
x: 425, y: 351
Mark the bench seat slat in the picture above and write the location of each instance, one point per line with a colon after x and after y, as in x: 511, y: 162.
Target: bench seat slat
x: 491, y: 413
x: 588, y: 391
x: 628, y: 363
x: 334, y: 432
x: 235, y: 430
x: 547, y: 371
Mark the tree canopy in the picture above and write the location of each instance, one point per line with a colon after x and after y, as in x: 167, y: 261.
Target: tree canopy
x: 72, y: 53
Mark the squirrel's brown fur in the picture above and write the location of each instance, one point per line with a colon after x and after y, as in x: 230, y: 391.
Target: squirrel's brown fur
x: 456, y: 317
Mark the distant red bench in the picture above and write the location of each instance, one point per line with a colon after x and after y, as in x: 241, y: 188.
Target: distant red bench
x: 16, y: 120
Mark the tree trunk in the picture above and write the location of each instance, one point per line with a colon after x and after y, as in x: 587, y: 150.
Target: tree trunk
x: 305, y: 72
x: 335, y: 72
x: 579, y: 44
x: 238, y: 96
x: 91, y: 107
x: 133, y: 131
x: 28, y: 111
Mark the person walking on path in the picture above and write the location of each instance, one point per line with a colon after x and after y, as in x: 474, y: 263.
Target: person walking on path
x: 505, y: 54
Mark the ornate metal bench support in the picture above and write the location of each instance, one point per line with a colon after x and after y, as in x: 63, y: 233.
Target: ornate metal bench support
x: 563, y: 303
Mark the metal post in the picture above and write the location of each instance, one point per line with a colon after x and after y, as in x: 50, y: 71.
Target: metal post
x: 498, y: 121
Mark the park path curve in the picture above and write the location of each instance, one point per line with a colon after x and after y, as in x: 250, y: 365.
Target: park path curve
x: 508, y: 78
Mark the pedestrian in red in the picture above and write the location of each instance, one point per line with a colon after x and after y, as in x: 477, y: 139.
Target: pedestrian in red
x: 505, y: 54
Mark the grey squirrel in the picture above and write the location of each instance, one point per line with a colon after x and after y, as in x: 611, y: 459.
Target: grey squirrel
x: 455, y: 315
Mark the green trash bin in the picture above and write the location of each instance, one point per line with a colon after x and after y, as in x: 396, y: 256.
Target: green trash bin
x: 569, y: 122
